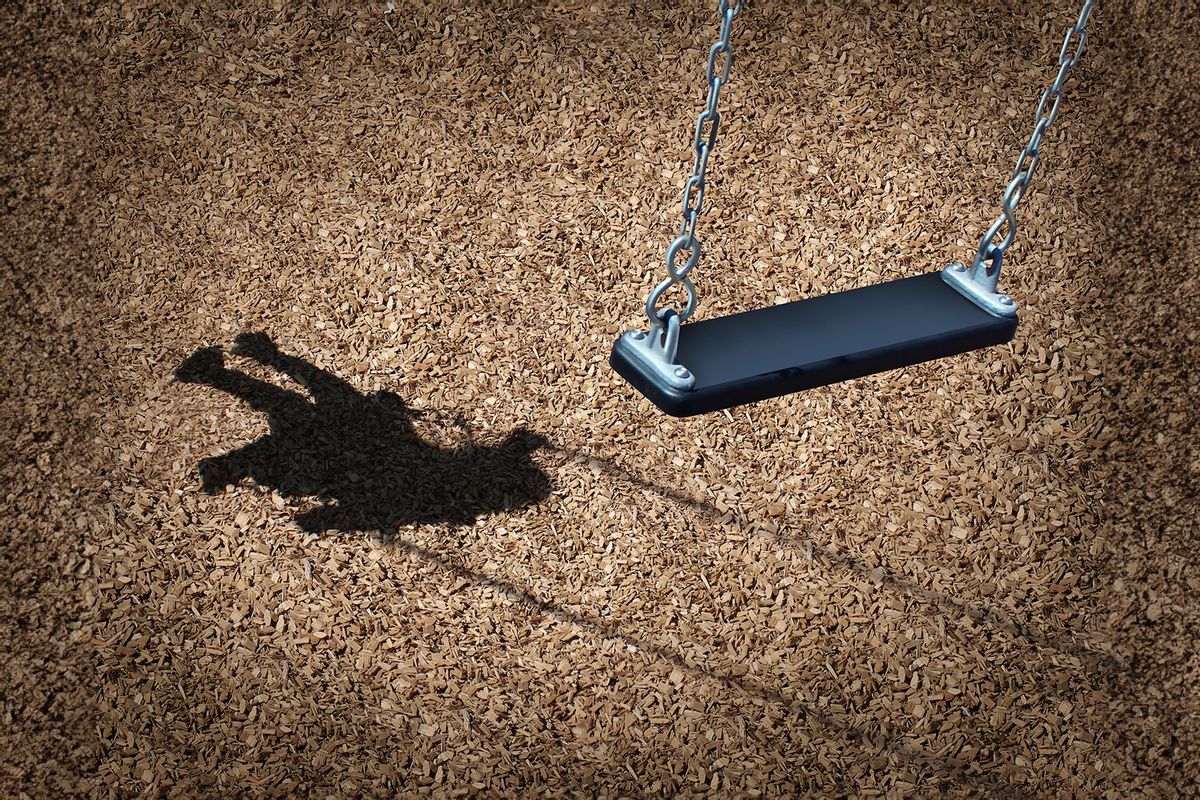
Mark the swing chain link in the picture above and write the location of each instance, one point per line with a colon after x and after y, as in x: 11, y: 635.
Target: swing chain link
x: 720, y: 62
x: 990, y: 250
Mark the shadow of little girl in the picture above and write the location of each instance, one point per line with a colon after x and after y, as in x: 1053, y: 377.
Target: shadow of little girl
x: 358, y: 452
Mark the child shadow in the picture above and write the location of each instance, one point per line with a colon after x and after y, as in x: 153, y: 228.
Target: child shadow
x: 358, y: 453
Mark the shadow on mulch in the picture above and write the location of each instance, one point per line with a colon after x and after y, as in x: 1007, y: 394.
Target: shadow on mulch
x: 361, y: 456
x: 358, y: 452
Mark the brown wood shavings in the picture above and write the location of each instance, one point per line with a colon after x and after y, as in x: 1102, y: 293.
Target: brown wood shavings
x: 452, y: 553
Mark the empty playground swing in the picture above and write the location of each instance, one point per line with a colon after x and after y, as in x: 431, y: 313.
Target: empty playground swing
x: 743, y: 358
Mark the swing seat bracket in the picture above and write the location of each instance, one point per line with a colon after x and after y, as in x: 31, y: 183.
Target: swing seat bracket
x: 980, y: 288
x: 654, y: 352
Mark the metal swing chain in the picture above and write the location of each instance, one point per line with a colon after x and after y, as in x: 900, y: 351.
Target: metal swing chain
x: 990, y: 250
x: 720, y: 61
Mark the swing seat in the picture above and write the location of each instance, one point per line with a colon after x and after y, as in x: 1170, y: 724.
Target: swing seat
x: 755, y: 355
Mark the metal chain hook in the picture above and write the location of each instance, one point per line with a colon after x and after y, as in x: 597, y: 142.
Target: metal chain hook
x: 716, y: 72
x: 990, y: 250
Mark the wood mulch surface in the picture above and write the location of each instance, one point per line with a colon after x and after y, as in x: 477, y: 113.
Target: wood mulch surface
x: 317, y: 482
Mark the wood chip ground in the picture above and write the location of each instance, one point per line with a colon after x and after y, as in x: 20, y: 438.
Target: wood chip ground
x: 417, y: 539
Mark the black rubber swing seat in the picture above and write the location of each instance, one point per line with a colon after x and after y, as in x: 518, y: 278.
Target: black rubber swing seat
x: 755, y: 355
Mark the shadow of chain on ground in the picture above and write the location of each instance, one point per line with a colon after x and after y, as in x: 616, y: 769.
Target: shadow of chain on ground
x: 358, y: 453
